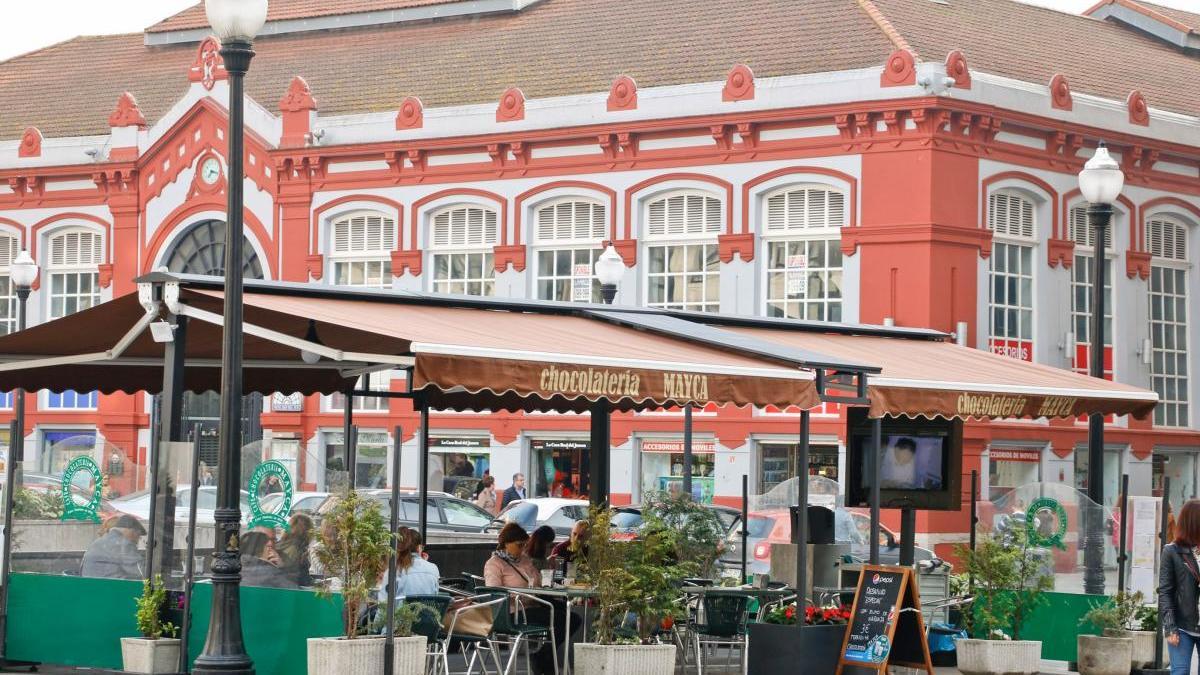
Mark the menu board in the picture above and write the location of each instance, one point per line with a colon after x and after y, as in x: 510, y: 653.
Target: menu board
x: 885, y: 623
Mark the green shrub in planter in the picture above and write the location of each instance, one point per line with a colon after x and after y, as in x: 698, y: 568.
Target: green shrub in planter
x: 353, y: 547
x: 1117, y: 615
x: 1009, y: 581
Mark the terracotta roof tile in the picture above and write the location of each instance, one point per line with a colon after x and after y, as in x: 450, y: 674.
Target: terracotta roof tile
x: 279, y: 10
x: 1033, y: 43
x: 557, y: 47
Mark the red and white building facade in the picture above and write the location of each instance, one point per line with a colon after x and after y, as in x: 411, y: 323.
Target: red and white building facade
x: 914, y: 185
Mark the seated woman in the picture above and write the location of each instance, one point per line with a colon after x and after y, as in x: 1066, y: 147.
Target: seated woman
x: 293, y: 549
x: 539, y: 545
x: 260, y: 562
x: 414, y: 574
x: 510, y: 567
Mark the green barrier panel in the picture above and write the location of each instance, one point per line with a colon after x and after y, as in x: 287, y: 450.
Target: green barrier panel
x: 276, y: 625
x: 77, y: 621
x: 1055, y: 622
x: 70, y: 621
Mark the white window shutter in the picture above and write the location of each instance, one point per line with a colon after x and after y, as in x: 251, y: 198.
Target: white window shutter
x: 1166, y: 239
x: 75, y: 248
x: 570, y: 221
x: 364, y: 233
x: 806, y: 208
x: 465, y: 226
x: 684, y: 214
x: 1010, y: 215
x: 1080, y: 230
x: 8, y: 250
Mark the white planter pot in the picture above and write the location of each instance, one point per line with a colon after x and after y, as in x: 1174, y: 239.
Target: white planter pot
x: 1104, y: 655
x: 365, y: 655
x: 998, y: 657
x: 593, y: 659
x: 139, y: 655
x: 1143, y: 648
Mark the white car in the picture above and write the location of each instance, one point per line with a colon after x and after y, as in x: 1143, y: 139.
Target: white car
x: 138, y: 504
x: 557, y: 512
x: 302, y: 502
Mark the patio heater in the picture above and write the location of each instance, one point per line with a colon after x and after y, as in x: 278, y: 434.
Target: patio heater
x: 1100, y: 183
x: 235, y: 22
x: 22, y: 273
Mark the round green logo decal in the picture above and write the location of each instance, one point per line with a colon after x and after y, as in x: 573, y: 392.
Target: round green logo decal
x: 73, y: 510
x: 1046, y: 523
x: 270, y: 477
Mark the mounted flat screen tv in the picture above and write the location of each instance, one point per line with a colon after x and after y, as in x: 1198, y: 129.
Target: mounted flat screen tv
x: 920, y: 463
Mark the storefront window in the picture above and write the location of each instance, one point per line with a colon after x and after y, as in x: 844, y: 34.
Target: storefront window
x: 1010, y: 468
x: 779, y: 461
x: 60, y: 447
x: 1112, y: 473
x: 662, y: 468
x: 370, y: 458
x: 559, y: 468
x: 1180, y: 467
x: 458, y: 464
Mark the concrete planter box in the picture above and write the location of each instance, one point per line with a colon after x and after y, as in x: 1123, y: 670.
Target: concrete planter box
x: 365, y: 655
x: 998, y: 657
x: 1143, y: 647
x: 593, y: 659
x: 1104, y: 655
x: 140, y: 655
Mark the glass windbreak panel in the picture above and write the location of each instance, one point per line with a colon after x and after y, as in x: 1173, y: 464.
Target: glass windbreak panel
x: 275, y: 541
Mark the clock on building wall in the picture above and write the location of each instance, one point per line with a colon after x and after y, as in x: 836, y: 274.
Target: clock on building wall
x: 210, y: 171
x: 210, y: 175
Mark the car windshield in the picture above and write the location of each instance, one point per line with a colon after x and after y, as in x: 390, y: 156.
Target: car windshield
x: 465, y: 514
x: 760, y: 526
x: 626, y: 520
x: 523, y: 514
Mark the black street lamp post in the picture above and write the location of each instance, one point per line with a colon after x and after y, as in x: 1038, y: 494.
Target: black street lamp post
x: 236, y: 22
x: 1100, y: 182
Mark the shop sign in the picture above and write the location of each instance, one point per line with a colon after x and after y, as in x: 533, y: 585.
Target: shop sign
x: 581, y: 283
x: 1046, y: 523
x: 1015, y: 349
x: 73, y: 510
x: 538, y: 444
x: 797, y: 275
x: 705, y: 447
x: 457, y: 443
x: 1015, y: 455
x: 262, y: 473
x: 287, y: 402
x: 1144, y: 517
x: 1007, y: 405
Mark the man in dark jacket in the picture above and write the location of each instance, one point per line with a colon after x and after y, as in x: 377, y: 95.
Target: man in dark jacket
x: 115, y: 554
x: 515, y: 491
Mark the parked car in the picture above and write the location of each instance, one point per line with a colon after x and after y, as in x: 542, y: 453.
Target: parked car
x: 137, y: 504
x: 775, y: 527
x: 302, y: 502
x: 627, y: 520
x: 445, y: 512
x: 560, y: 514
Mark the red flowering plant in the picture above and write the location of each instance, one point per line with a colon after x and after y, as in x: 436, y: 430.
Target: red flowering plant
x: 830, y: 615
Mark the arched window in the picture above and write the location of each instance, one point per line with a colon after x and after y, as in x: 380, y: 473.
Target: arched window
x: 1011, y: 217
x: 9, y: 248
x: 71, y: 266
x: 361, y: 249
x: 568, y: 235
x: 683, y: 269
x: 802, y: 234
x: 1166, y: 240
x: 462, y: 240
x: 1081, y: 291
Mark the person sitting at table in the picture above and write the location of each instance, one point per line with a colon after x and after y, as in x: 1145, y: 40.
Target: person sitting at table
x: 293, y: 549
x: 539, y: 545
x: 510, y: 567
x: 573, y: 547
x: 115, y: 554
x: 260, y: 562
x: 414, y: 574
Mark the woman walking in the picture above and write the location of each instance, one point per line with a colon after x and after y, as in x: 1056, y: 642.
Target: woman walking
x: 1179, y: 590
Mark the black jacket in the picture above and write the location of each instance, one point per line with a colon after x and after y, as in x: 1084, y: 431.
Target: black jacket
x: 1178, y: 589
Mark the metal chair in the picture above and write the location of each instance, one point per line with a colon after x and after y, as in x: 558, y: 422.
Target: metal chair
x: 429, y: 624
x: 724, y: 617
x: 512, y: 631
x: 475, y: 645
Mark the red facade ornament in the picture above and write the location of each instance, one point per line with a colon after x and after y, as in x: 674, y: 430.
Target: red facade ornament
x: 31, y: 143
x: 1060, y: 251
x: 127, y: 114
x: 509, y: 255
x: 298, y: 98
x: 1060, y: 93
x: 740, y: 244
x: 623, y: 94
x: 1137, y: 264
x: 627, y: 249
x: 406, y: 260
x: 956, y: 67
x: 208, y: 66
x: 512, y: 106
x: 104, y: 274
x: 900, y: 69
x: 316, y: 266
x: 1139, y: 112
x: 411, y: 114
x: 739, y: 85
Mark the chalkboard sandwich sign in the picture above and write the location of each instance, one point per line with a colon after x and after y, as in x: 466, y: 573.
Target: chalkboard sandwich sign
x: 886, y: 627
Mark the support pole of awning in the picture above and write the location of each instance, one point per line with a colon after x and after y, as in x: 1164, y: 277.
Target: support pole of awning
x: 873, y: 462
x: 598, y: 452
x: 348, y: 440
x: 802, y: 522
x: 687, y: 450
x: 160, y: 545
x: 423, y: 476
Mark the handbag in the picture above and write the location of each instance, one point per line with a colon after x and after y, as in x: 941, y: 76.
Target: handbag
x: 474, y: 621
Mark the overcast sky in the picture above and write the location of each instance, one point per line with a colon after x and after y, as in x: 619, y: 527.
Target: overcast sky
x: 30, y: 25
